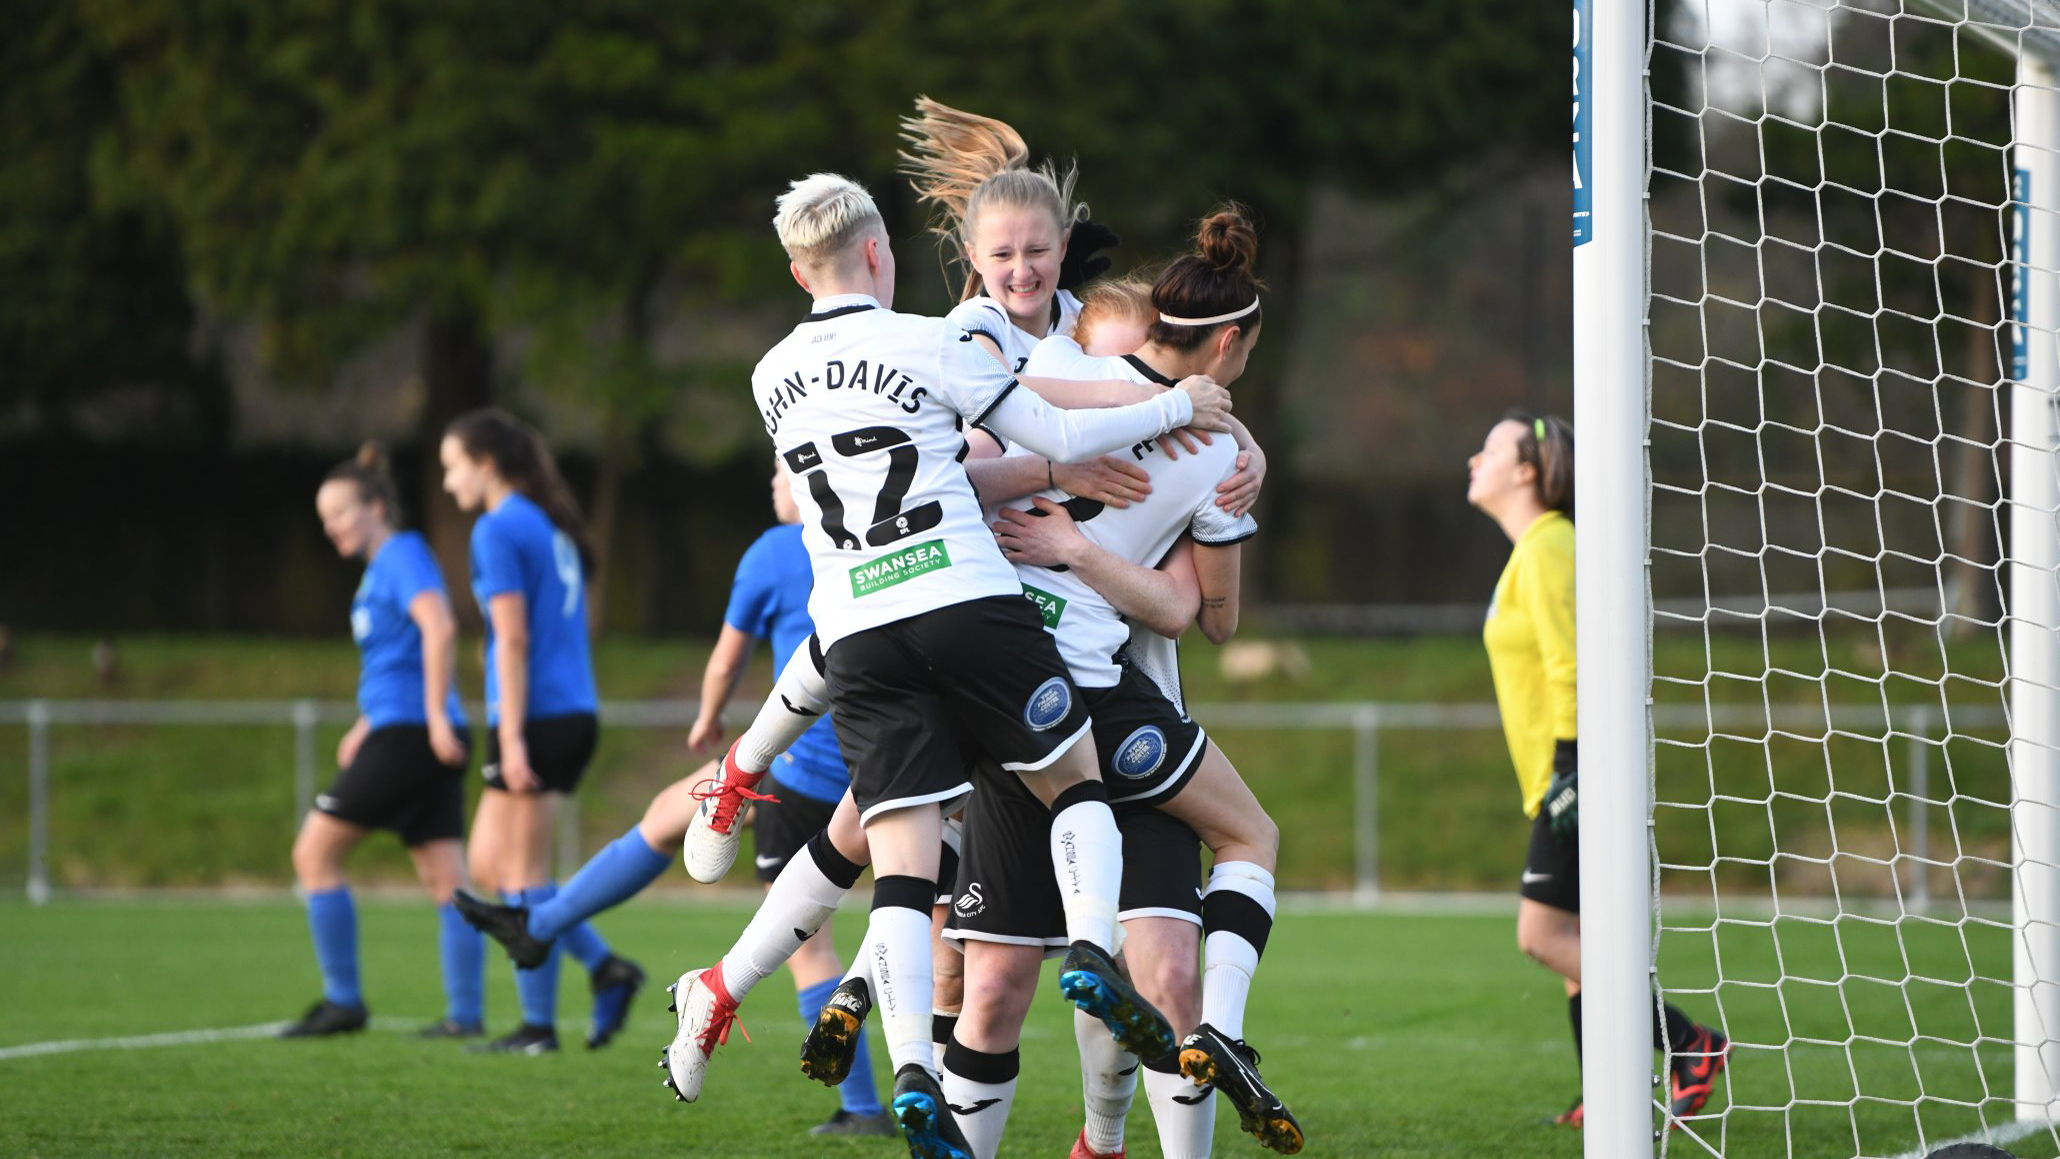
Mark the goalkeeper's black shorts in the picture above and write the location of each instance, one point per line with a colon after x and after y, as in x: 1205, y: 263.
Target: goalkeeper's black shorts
x: 1552, y: 868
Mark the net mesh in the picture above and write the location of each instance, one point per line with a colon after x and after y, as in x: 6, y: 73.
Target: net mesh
x: 1832, y: 274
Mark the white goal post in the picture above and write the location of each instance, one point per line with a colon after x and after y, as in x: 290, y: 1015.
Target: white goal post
x: 1816, y: 299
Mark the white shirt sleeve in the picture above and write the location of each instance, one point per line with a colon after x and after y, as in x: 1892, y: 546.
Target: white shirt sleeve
x: 1070, y: 436
x: 1212, y: 526
x: 971, y: 380
x: 981, y: 316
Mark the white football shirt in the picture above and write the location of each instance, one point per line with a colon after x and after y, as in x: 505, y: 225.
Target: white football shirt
x: 866, y: 406
x: 1183, y: 499
x: 984, y: 315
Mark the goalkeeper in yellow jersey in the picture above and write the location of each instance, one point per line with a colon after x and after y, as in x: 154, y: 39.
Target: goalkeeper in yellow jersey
x: 1523, y: 479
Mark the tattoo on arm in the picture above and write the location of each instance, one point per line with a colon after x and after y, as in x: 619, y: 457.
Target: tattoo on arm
x: 1212, y: 601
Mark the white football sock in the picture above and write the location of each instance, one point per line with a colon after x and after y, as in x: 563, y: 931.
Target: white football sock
x: 1184, y: 1113
x: 799, y: 698
x: 800, y: 901
x: 1108, y: 1082
x: 897, y: 947
x: 1237, y: 913
x: 981, y: 1089
x: 1087, y: 857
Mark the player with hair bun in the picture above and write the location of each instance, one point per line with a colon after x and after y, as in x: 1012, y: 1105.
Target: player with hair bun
x: 1523, y: 479
x: 403, y: 761
x: 1090, y: 569
x: 921, y: 621
x: 530, y: 559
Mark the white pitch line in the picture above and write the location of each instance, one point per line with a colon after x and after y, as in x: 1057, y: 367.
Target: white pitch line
x: 173, y: 1038
x: 1995, y: 1137
x: 132, y: 1042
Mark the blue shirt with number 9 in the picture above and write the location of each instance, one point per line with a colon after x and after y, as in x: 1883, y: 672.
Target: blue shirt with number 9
x: 516, y: 548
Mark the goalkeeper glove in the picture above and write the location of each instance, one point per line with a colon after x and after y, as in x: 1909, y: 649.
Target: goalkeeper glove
x: 1080, y: 265
x: 1563, y: 797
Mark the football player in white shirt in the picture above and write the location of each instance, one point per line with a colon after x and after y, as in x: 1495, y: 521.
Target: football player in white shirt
x: 1026, y: 245
x: 1153, y: 756
x: 1011, y: 226
x: 926, y: 639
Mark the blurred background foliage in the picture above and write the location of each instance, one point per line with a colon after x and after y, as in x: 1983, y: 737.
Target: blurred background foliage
x: 237, y: 238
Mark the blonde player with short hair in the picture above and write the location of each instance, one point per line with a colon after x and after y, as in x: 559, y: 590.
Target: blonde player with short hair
x: 914, y: 603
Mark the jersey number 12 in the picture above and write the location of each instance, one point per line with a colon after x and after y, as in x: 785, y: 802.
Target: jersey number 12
x: 889, y: 522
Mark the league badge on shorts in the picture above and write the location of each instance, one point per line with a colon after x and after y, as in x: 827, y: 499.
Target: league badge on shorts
x: 1049, y: 704
x: 1141, y: 753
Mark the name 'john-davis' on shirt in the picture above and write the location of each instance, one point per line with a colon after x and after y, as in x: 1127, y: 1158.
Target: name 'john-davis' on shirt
x: 516, y: 548
x: 864, y: 404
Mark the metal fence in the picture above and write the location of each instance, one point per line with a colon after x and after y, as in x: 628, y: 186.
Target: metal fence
x: 1364, y: 720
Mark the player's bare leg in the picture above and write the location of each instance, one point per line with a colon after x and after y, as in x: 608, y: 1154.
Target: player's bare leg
x: 982, y: 1061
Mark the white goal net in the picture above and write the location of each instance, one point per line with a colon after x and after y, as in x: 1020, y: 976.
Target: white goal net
x: 1851, y: 241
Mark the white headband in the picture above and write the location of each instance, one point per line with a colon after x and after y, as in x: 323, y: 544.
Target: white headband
x: 1170, y: 320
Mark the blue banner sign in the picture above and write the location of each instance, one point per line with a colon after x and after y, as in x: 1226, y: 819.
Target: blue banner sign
x: 1584, y: 26
x: 2020, y: 276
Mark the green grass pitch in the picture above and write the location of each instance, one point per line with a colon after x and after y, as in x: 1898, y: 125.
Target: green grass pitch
x: 1395, y: 1034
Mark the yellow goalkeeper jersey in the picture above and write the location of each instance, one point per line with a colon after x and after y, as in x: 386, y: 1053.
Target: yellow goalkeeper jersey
x: 1530, y: 639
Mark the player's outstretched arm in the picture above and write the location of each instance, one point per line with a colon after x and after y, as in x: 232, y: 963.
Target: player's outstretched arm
x: 1070, y: 395
x: 1069, y: 436
x: 726, y: 664
x: 1164, y: 599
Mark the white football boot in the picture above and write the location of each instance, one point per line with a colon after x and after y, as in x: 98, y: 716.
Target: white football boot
x: 713, y: 835
x: 706, y: 1012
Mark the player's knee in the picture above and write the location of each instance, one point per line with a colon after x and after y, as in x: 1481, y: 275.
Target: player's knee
x: 1265, y: 838
x: 313, y: 864
x: 1540, y: 941
x: 440, y: 886
x: 666, y: 821
x: 947, y: 992
x: 481, y: 866
x: 991, y: 995
x: 1527, y: 945
x: 947, y: 965
x: 1171, y: 983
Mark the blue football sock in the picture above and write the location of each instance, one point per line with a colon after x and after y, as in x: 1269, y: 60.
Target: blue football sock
x: 464, y: 967
x: 609, y: 878
x: 537, y: 990
x: 856, y: 1093
x: 579, y: 940
x: 333, y: 920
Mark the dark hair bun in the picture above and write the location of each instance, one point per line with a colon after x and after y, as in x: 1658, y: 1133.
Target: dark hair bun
x: 1227, y: 241
x: 372, y: 456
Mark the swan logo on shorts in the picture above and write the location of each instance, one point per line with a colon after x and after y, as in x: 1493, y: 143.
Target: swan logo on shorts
x: 1141, y: 753
x: 1049, y: 704
x: 970, y: 903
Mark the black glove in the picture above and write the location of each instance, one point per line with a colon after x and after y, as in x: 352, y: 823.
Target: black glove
x: 1080, y: 266
x: 1563, y: 797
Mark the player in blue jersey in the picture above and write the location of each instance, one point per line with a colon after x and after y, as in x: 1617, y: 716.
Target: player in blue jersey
x: 768, y: 600
x: 530, y: 560
x: 403, y: 762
